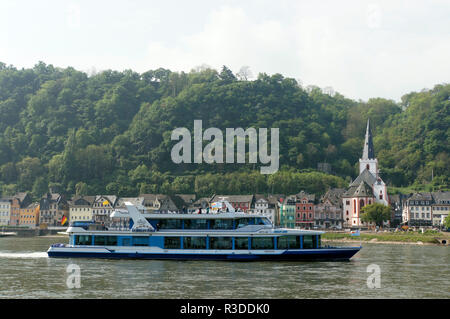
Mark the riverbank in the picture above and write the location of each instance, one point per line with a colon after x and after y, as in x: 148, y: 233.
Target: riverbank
x: 31, y: 232
x: 415, y: 238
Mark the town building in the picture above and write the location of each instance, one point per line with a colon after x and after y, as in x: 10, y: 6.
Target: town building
x: 367, y: 188
x: 53, y: 206
x: 417, y: 210
x: 328, y: 213
x: 397, y: 201
x: 102, y: 207
x: 29, y: 216
x: 440, y: 207
x: 20, y: 200
x: 262, y: 206
x: 185, y: 201
x: 239, y: 202
x: 200, y: 204
x: 275, y: 199
x: 5, y: 211
x: 81, y: 209
x: 287, y: 207
x: 304, y: 210
x: 123, y: 223
x: 159, y: 203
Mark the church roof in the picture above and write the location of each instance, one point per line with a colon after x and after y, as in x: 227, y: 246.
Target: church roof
x: 361, y: 190
x: 365, y: 176
x: 368, y: 151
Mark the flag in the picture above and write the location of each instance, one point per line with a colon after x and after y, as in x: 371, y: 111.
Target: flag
x: 355, y: 233
x: 215, y: 206
x: 63, y: 220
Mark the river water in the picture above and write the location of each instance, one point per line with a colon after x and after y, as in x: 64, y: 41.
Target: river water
x: 406, y: 271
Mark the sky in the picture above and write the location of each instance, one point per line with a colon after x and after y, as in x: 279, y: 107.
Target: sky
x: 361, y: 49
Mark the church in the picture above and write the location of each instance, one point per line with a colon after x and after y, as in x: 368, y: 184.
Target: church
x: 367, y: 188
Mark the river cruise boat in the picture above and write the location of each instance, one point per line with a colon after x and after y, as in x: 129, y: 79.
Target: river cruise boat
x: 225, y: 235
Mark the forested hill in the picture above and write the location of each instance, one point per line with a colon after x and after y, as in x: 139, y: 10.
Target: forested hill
x: 110, y: 132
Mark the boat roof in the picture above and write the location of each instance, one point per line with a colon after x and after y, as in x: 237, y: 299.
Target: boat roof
x: 202, y: 216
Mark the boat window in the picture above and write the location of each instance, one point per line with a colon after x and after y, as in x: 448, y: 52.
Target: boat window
x: 105, y: 240
x: 83, y: 240
x: 195, y: 224
x: 308, y: 242
x: 263, y: 243
x: 111, y: 240
x: 242, y: 222
x: 220, y: 243
x: 221, y: 224
x: 194, y: 242
x: 99, y: 240
x: 172, y: 242
x: 262, y: 221
x: 288, y: 242
x: 169, y: 224
x: 241, y: 243
x: 140, y: 241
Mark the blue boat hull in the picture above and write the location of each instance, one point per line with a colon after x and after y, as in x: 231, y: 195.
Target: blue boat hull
x: 302, y: 255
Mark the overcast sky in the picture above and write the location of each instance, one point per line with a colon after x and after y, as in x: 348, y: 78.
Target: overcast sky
x: 360, y: 48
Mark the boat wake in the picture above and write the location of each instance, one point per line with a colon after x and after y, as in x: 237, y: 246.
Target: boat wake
x: 24, y: 255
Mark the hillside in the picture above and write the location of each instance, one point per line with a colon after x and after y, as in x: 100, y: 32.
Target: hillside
x: 110, y: 132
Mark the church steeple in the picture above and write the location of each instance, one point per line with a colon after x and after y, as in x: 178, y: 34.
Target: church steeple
x: 368, y: 152
x: 368, y: 160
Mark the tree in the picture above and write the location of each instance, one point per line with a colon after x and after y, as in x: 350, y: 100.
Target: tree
x: 40, y: 187
x: 376, y: 213
x: 66, y: 126
x: 227, y: 75
x: 244, y: 73
x: 28, y: 170
x: 447, y: 222
x: 81, y: 189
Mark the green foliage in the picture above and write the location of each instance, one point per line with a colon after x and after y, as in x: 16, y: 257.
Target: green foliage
x: 447, y: 222
x: 376, y: 213
x: 401, y: 236
x: 112, y: 131
x: 81, y: 189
